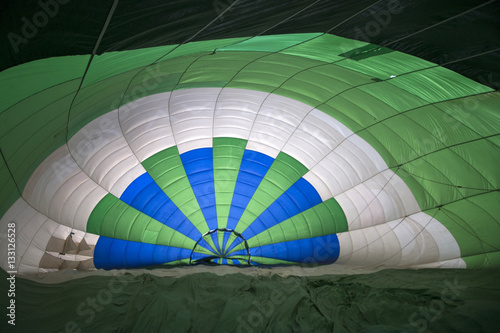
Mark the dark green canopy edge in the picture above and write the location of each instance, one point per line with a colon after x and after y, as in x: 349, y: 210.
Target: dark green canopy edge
x: 463, y: 36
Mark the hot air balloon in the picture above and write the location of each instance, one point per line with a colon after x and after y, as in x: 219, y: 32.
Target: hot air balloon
x: 235, y: 133
x: 275, y: 149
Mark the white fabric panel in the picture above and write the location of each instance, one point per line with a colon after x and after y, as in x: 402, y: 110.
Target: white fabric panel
x: 192, y: 117
x: 317, y: 135
x: 146, y: 125
x: 236, y: 111
x: 20, y: 213
x: 381, y: 198
x: 36, y: 249
x: 69, y: 257
x: 447, y: 247
x: 102, y: 152
x: 91, y: 239
x: 33, y: 231
x: 342, y: 165
x: 403, y: 243
x: 51, y: 174
x: 59, y: 189
x: 62, y: 232
x: 369, y: 247
x: 276, y: 122
x: 452, y: 263
x: 349, y: 164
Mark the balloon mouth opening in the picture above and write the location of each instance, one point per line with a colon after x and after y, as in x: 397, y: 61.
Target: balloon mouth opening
x: 216, y: 254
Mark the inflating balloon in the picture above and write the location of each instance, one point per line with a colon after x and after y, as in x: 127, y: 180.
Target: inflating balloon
x: 268, y: 150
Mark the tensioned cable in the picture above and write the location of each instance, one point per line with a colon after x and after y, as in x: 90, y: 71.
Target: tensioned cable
x: 96, y: 47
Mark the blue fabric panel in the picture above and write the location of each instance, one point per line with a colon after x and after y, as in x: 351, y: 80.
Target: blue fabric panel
x: 135, y: 187
x: 113, y: 253
x: 205, y: 244
x: 253, y: 168
x: 197, y: 256
x: 133, y: 255
x: 101, y: 252
x: 298, y: 198
x: 236, y: 262
x: 146, y: 196
x: 199, y: 167
x: 321, y: 250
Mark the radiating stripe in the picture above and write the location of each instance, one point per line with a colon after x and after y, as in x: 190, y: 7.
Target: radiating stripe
x: 282, y: 174
x: 254, y: 166
x: 117, y: 253
x: 167, y: 169
x: 228, y: 154
x: 146, y: 196
x: 323, y: 219
x: 298, y: 198
x: 198, y: 164
x: 115, y: 219
x: 321, y: 250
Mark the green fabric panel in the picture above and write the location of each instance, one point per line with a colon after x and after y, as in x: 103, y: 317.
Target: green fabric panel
x: 357, y: 117
x: 230, y: 240
x: 370, y: 108
x: 479, y: 113
x: 438, y: 126
x: 48, y: 102
x: 382, y: 63
x: 438, y: 84
x: 282, y: 174
x: 325, y: 48
x: 227, y: 155
x: 20, y: 82
x: 207, y: 46
x: 483, y: 260
x: 32, y: 150
x: 476, y: 115
x: 272, y: 70
x: 272, y: 43
x: 47, y: 125
x: 391, y: 96
x: 328, y: 217
x: 474, y: 222
x: 115, y: 219
x: 325, y: 82
x: 111, y: 64
x: 202, y: 250
x: 167, y: 170
x: 8, y: 191
x: 433, y: 181
x: 118, y: 91
x: 208, y: 67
